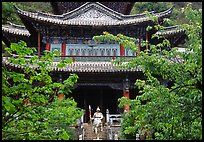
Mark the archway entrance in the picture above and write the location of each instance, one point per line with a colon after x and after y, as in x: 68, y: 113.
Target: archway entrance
x: 104, y: 97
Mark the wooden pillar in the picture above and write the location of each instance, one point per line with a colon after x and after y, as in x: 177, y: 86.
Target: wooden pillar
x: 138, y: 53
x: 101, y: 100
x: 86, y: 107
x: 126, y: 94
x: 47, y: 47
x: 38, y: 44
x: 63, y: 48
x: 113, y: 58
x: 73, y: 59
x: 60, y: 96
x: 122, y: 50
x: 146, y: 40
x: 126, y: 86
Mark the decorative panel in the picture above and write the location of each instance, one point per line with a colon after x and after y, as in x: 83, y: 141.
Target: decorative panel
x: 92, y: 50
x: 56, y: 47
x: 94, y: 14
x: 128, y: 52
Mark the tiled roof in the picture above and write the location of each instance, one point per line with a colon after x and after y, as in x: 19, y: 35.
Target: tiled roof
x: 80, y: 67
x: 15, y: 29
x: 21, y: 30
x: 169, y: 31
x: 92, y: 14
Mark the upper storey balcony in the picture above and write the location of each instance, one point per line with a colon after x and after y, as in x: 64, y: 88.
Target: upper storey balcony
x: 87, y: 50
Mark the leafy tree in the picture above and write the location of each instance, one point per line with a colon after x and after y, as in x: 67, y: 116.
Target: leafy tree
x: 170, y: 102
x: 177, y: 17
x: 150, y: 6
x: 141, y: 7
x: 30, y: 107
x: 9, y: 12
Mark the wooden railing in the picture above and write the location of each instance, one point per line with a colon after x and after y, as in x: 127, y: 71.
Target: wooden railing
x: 85, y: 58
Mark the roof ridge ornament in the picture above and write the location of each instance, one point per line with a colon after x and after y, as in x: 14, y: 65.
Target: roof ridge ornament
x: 15, y: 25
x: 166, y: 12
x: 88, y: 6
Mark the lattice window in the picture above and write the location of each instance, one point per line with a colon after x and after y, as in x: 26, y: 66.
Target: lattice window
x: 108, y: 52
x: 114, y: 52
x: 83, y: 52
x: 70, y: 52
x: 56, y: 47
x: 77, y: 51
x: 89, y: 52
x: 95, y: 52
x: 102, y: 52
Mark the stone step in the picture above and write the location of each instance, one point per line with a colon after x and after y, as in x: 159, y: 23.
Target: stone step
x: 90, y: 135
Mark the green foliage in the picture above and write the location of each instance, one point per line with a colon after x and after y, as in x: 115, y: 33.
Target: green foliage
x: 31, y: 109
x: 177, y: 17
x: 9, y: 12
x: 169, y: 106
x: 32, y: 6
x: 141, y: 7
x: 150, y: 6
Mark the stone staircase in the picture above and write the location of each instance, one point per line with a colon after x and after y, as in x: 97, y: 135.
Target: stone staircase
x: 90, y: 135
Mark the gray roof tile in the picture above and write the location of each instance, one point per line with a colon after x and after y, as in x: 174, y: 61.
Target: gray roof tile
x: 169, y: 31
x: 15, y: 29
x: 81, y: 67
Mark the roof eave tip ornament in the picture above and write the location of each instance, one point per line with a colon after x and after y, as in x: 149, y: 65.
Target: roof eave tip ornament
x: 18, y: 9
x: 15, y: 6
x: 171, y: 9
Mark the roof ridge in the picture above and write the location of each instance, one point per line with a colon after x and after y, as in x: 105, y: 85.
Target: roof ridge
x: 15, y: 25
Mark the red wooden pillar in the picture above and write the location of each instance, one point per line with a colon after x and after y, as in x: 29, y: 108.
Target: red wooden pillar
x: 38, y: 44
x: 113, y: 58
x: 137, y: 54
x: 72, y: 58
x: 63, y: 49
x: 47, y: 47
x: 146, y: 40
x: 126, y: 94
x: 60, y: 96
x: 122, y: 50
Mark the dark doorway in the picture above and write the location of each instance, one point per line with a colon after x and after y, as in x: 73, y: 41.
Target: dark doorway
x: 104, y: 97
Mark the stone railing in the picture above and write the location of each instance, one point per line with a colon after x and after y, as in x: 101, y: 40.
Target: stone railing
x: 113, y: 125
x: 81, y: 129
